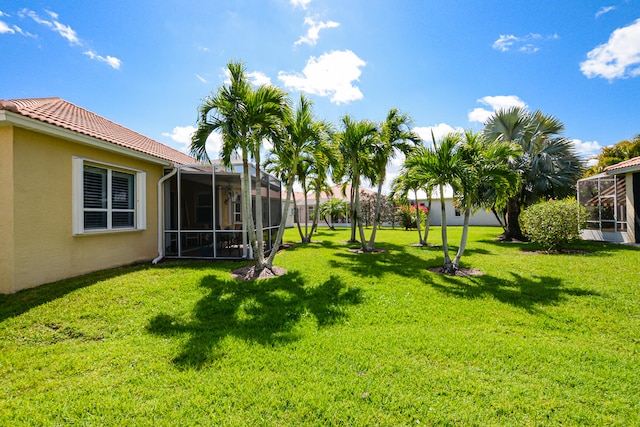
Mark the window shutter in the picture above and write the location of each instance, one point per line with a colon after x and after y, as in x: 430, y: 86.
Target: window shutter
x: 141, y: 200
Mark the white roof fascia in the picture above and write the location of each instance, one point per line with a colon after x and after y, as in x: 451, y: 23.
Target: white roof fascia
x: 21, y: 121
x: 628, y: 169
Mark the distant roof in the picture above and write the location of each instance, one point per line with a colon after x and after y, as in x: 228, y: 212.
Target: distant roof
x: 61, y: 113
x: 631, y: 164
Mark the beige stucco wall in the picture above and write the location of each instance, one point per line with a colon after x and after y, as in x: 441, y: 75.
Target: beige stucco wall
x: 45, y: 249
x: 6, y: 209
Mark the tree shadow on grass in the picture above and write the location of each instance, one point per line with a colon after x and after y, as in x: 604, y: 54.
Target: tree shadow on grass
x: 260, y: 311
x: 27, y: 299
x: 518, y: 291
x: 590, y: 247
x: 396, y: 260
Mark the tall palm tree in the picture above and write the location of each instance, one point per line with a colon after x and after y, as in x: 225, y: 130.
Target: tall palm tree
x: 395, y: 136
x: 354, y: 145
x: 323, y: 155
x: 405, y: 183
x: 290, y: 157
x: 244, y: 116
x: 485, y: 169
x: 548, y: 165
x: 440, y: 166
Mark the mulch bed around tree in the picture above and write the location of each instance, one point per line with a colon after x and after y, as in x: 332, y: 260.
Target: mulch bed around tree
x: 461, y: 272
x: 249, y: 273
x: 560, y: 252
x: 375, y: 251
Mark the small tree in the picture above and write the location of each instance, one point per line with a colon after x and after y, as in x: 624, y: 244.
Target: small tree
x: 554, y: 223
x: 333, y: 209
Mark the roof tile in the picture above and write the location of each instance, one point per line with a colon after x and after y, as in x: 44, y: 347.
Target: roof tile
x: 626, y: 164
x: 64, y: 114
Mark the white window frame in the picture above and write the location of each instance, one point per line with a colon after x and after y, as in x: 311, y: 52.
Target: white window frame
x: 140, y: 210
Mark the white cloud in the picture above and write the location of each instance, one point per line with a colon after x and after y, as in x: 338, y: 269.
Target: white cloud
x: 67, y: 33
x: 256, y: 78
x: 618, y: 58
x: 202, y: 79
x: 496, y: 103
x: 259, y: 78
x: 522, y: 44
x: 331, y: 75
x: 302, y: 3
x: 586, y: 148
x: 183, y: 134
x: 4, y: 28
x: 64, y: 31
x: 311, y: 38
x: 113, y: 62
x: 439, y: 131
x: 24, y: 33
x: 603, y: 10
x: 214, y: 144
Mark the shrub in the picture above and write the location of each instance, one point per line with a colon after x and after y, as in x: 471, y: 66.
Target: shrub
x: 408, y: 215
x: 554, y: 223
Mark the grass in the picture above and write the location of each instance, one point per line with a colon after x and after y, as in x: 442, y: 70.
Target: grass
x: 342, y: 339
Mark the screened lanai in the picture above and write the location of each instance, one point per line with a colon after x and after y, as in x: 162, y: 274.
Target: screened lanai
x: 203, y: 212
x: 605, y: 199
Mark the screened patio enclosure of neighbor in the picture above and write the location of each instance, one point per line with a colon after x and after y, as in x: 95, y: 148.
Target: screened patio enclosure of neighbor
x: 609, y: 201
x: 203, y: 212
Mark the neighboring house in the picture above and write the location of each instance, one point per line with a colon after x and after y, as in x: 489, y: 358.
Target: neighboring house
x: 611, y: 199
x: 79, y: 193
x: 307, y: 216
x: 454, y: 216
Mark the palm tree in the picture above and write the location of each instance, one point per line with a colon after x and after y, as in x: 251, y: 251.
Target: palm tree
x: 244, y: 116
x: 440, y: 166
x: 323, y: 154
x: 354, y: 145
x: 331, y: 209
x: 395, y: 136
x: 290, y: 157
x: 485, y: 169
x: 405, y: 183
x: 547, y: 165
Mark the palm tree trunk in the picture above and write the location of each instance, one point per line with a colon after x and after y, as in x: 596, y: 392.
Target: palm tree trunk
x: 463, y: 239
x: 297, y: 217
x: 259, y: 251
x: 427, y: 221
x: 246, y: 202
x: 283, y: 223
x: 316, y: 212
x: 513, y: 231
x: 354, y: 215
x: 376, y: 214
x: 447, y: 266
x: 306, y: 239
x: 415, y: 192
x: 363, y: 240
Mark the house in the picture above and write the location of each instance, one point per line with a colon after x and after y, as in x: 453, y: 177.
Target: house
x: 80, y: 193
x: 334, y: 192
x: 454, y: 216
x: 610, y: 199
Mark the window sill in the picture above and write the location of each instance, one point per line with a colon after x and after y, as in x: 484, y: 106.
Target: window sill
x: 103, y: 232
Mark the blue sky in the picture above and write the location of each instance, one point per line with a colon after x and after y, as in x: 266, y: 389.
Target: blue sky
x: 448, y: 64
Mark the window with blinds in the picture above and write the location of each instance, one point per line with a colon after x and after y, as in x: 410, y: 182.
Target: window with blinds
x: 108, y: 197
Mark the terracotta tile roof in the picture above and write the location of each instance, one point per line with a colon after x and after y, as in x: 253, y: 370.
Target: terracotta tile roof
x: 61, y: 113
x: 635, y: 162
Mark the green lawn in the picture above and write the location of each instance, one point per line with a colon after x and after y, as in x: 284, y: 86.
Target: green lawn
x: 342, y: 339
